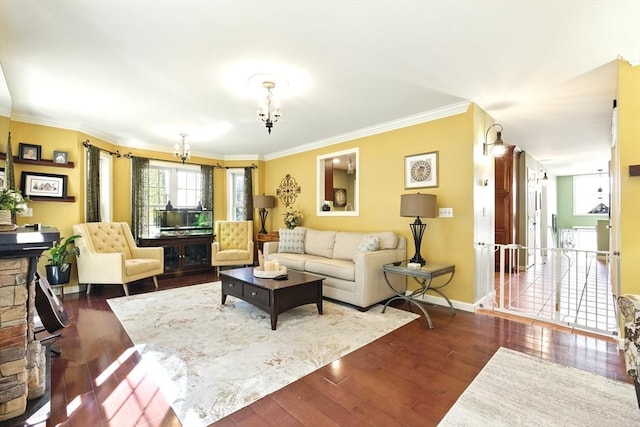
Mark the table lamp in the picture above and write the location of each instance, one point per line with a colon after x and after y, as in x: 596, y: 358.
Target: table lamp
x: 263, y: 202
x: 418, y: 205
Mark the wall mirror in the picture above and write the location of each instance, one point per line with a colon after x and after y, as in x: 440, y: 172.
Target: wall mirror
x: 338, y: 183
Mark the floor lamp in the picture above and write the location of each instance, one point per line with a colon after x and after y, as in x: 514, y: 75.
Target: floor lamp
x: 418, y: 205
x: 263, y: 202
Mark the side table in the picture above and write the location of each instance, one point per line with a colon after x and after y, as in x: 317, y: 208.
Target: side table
x: 262, y: 238
x: 423, y: 276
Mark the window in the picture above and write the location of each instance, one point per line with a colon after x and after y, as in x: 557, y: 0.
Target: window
x: 590, y: 194
x: 106, y: 165
x: 235, y: 195
x: 170, y: 182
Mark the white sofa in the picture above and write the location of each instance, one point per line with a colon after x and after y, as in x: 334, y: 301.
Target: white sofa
x: 353, y: 271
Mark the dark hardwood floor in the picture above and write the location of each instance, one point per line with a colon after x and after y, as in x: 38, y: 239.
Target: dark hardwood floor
x: 410, y: 377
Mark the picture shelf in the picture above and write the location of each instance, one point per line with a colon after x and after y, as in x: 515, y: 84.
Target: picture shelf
x: 69, y: 199
x: 41, y: 162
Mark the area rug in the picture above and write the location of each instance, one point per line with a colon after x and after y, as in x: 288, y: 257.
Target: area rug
x: 515, y: 389
x: 211, y: 359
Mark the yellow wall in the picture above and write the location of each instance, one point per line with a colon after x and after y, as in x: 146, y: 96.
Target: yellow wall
x: 382, y: 156
x: 381, y: 175
x: 629, y: 154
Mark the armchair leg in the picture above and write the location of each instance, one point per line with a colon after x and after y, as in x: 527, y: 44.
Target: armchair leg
x: 635, y: 383
x: 88, y: 288
x: 155, y: 281
x: 126, y: 289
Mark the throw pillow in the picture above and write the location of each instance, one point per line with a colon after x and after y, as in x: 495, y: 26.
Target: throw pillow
x: 291, y: 241
x: 367, y: 244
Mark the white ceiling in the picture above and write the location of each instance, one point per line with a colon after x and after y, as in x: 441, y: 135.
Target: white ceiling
x: 139, y: 73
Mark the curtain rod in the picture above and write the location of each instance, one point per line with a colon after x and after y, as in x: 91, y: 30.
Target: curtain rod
x: 219, y: 166
x: 117, y: 153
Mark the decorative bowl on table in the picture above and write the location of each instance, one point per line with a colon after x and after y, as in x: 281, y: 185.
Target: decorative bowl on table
x: 269, y: 274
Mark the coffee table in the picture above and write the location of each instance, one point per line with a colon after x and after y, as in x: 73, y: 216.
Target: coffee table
x: 273, y: 296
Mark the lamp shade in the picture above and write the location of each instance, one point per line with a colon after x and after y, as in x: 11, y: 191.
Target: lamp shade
x: 418, y: 205
x: 263, y: 201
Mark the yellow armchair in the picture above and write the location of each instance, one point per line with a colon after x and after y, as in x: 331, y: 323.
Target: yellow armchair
x: 233, y: 245
x: 109, y: 255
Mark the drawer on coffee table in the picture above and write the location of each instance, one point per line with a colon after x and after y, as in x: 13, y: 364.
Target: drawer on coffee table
x: 232, y: 287
x: 256, y: 295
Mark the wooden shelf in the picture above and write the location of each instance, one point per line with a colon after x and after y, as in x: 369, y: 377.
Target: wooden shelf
x: 68, y: 199
x: 41, y: 162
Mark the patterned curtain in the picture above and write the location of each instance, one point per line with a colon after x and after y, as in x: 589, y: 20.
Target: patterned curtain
x: 248, y: 193
x: 93, y: 184
x: 9, y: 177
x: 139, y: 196
x: 206, y: 185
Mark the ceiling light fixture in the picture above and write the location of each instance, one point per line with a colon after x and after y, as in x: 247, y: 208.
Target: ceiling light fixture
x: 545, y: 179
x: 497, y: 148
x: 182, y: 151
x: 269, y: 111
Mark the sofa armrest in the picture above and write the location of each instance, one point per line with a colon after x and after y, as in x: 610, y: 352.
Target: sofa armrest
x: 269, y: 248
x: 369, y: 273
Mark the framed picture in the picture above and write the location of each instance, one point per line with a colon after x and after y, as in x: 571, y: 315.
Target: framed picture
x: 421, y: 170
x: 60, y: 157
x: 29, y: 151
x: 43, y: 185
x: 339, y: 197
x: 2, y: 179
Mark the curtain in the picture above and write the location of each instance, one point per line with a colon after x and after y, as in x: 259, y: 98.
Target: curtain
x: 248, y: 193
x: 139, y: 196
x: 9, y: 177
x: 93, y: 184
x: 206, y: 186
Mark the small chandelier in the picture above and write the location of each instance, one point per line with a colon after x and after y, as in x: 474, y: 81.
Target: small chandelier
x: 269, y: 111
x: 182, y: 151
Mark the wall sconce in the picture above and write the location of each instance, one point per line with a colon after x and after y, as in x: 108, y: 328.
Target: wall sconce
x: 263, y: 202
x: 497, y: 148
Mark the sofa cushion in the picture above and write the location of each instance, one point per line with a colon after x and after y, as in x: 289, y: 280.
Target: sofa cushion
x: 369, y: 243
x: 319, y: 243
x: 346, y: 244
x: 292, y: 261
x: 291, y: 241
x: 338, y: 268
x: 388, y: 239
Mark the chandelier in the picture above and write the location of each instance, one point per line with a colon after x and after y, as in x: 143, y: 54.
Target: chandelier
x: 181, y: 151
x: 269, y: 111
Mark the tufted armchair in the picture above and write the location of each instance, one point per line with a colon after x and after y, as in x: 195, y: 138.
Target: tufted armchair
x: 234, y: 243
x: 629, y: 307
x: 109, y: 255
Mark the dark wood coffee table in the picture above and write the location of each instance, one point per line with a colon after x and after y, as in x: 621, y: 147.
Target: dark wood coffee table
x: 273, y: 296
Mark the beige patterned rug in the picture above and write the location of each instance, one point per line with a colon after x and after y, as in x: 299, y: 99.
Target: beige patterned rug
x: 211, y: 359
x: 515, y: 389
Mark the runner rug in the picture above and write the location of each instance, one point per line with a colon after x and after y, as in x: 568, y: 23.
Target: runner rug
x: 515, y: 389
x: 211, y: 359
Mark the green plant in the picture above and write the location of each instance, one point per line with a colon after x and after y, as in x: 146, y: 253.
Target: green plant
x: 12, y: 200
x: 61, y: 251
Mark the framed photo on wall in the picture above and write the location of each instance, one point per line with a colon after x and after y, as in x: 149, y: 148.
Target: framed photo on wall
x: 29, y: 151
x: 3, y: 182
x: 60, y: 157
x: 421, y: 170
x: 44, y: 185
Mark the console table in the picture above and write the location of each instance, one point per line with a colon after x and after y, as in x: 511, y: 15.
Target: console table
x: 424, y: 277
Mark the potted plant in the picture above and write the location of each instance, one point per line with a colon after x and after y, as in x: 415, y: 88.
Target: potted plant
x: 11, y: 203
x: 58, y: 268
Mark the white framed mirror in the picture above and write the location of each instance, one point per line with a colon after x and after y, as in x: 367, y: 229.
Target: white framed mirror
x: 338, y: 183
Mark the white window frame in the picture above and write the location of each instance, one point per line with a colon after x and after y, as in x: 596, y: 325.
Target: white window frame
x: 106, y: 193
x: 232, y: 202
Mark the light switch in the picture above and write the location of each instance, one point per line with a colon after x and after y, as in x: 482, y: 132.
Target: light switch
x: 446, y: 213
